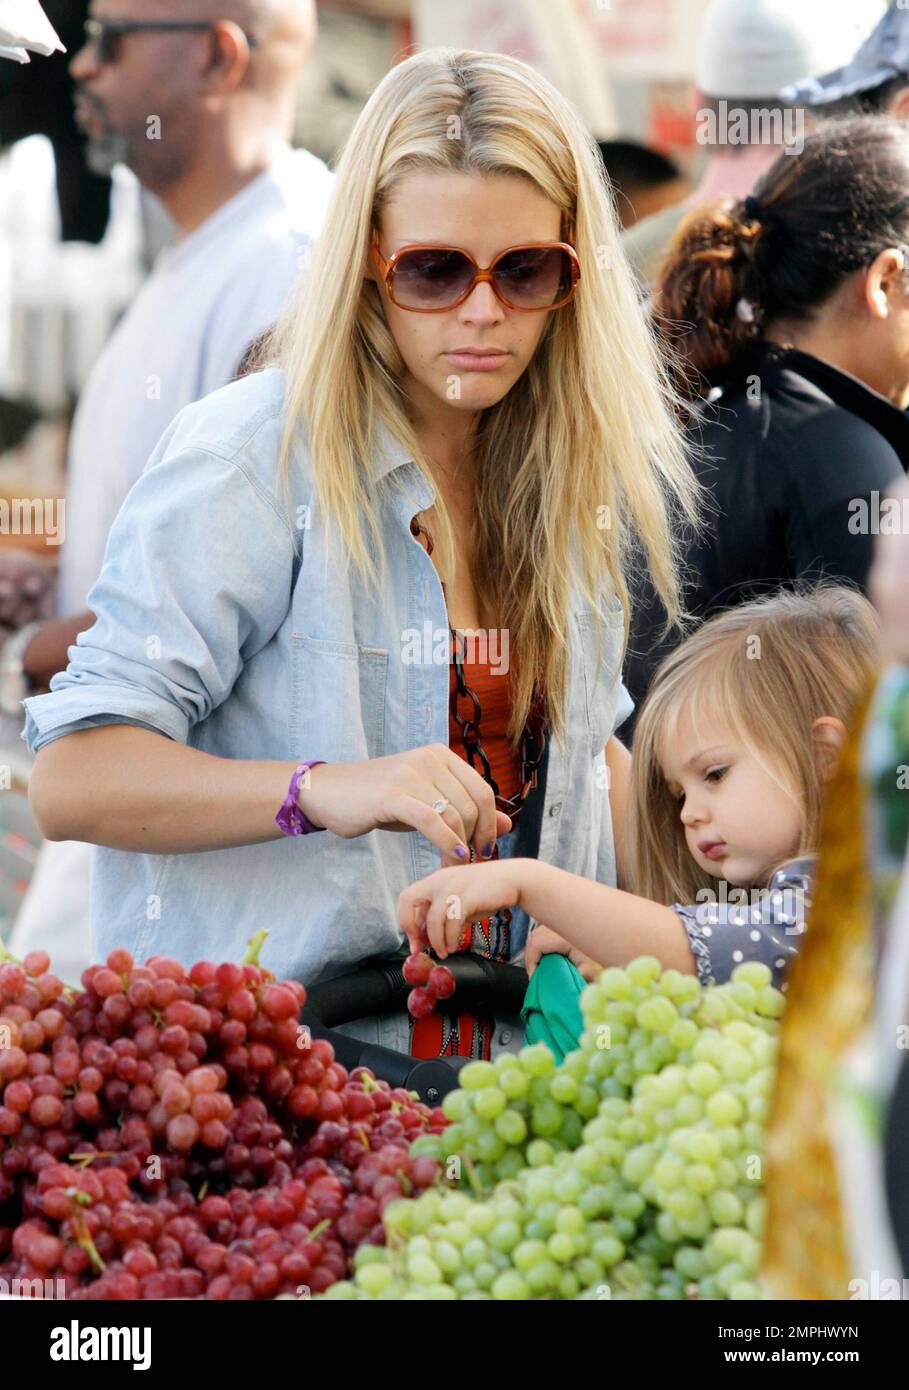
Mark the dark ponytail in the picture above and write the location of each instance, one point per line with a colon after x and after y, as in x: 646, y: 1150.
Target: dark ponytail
x: 814, y: 219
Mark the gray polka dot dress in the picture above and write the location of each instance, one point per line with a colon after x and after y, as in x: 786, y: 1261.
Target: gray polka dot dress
x: 739, y: 924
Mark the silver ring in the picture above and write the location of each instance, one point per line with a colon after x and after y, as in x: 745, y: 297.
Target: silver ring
x: 440, y: 804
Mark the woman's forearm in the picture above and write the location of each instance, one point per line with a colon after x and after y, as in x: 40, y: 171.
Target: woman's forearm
x: 128, y: 788
x: 607, y: 924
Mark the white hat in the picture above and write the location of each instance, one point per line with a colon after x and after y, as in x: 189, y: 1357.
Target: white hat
x: 755, y: 48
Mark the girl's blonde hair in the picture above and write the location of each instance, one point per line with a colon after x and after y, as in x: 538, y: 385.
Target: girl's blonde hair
x: 764, y: 672
x: 582, y: 457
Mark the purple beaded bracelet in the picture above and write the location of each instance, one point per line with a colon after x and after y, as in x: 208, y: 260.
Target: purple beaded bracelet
x: 290, y: 820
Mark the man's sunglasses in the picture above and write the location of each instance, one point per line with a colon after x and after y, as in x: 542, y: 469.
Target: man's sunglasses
x: 429, y: 279
x: 105, y: 34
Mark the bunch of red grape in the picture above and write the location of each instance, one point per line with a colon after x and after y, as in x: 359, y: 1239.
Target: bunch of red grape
x: 177, y: 1133
x: 430, y: 981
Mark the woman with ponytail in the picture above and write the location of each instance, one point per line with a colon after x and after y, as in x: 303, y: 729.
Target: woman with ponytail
x: 786, y: 317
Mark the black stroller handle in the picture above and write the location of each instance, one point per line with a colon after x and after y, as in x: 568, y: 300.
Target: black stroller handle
x: 378, y: 987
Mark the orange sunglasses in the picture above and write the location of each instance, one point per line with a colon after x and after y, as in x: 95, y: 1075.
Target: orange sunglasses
x: 428, y: 279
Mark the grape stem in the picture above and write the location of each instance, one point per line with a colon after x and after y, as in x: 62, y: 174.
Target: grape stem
x: 254, y: 947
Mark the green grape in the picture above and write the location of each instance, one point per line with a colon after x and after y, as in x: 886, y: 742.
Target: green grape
x: 568, y: 1286
x: 509, y: 1285
x: 700, y: 1178
x: 770, y: 1002
x: 484, y: 1274
x: 476, y: 1075
x: 725, y: 1208
x: 537, y: 1060
x: 505, y: 1236
x: 588, y: 1272
x: 684, y: 1034
x: 473, y: 1252
x: 752, y: 972
x: 638, y: 1164
x: 561, y: 1247
x: 480, y: 1219
x: 568, y: 1186
x: 490, y: 1102
x: 571, y: 1130
x: 643, y: 970
x: 570, y: 1221
x: 689, y: 1109
x: 744, y: 1289
x: 490, y: 1147
x: 544, y: 1276
x: 513, y: 1082
x: 755, y: 1214
x: 373, y: 1278
x: 423, y: 1270
x: 456, y: 1104
x: 539, y: 1153
x: 528, y: 1253
x: 546, y: 1119
x: 658, y: 1015
x: 690, y: 1262
x: 704, y: 1079
x: 704, y: 1147
x: 613, y: 983
x: 724, y: 1108
x: 511, y: 1164
x: 593, y: 1201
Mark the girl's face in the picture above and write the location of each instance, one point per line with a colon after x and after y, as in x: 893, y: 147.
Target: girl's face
x: 739, y: 822
x: 483, y: 215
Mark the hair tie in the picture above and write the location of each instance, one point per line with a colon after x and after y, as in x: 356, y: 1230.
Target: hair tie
x: 752, y: 208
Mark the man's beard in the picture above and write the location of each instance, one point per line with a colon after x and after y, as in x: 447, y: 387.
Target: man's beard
x: 109, y: 149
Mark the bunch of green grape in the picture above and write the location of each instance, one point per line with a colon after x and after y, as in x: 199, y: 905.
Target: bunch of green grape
x: 633, y: 1170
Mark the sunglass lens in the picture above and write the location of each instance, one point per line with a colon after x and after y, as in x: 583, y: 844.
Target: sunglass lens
x: 533, y: 277
x: 431, y: 278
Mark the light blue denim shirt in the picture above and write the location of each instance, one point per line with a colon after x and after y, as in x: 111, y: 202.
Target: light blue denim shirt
x: 228, y: 623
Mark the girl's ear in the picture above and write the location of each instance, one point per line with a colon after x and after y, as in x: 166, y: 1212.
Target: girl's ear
x: 829, y: 735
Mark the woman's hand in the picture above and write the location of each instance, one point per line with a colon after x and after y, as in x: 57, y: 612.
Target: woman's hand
x: 543, y: 941
x: 888, y: 585
x: 398, y: 792
x: 437, y: 907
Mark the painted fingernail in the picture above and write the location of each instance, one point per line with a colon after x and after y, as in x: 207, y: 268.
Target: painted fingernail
x: 462, y: 851
x: 487, y: 850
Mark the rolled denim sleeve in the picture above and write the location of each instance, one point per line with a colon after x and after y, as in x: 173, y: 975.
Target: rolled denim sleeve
x: 197, y: 578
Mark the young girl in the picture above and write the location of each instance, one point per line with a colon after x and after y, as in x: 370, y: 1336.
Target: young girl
x: 734, y: 744
x: 467, y: 426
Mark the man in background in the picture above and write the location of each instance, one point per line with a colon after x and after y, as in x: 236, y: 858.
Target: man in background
x: 874, y: 82
x: 197, y: 98
x: 644, y: 180
x: 748, y: 51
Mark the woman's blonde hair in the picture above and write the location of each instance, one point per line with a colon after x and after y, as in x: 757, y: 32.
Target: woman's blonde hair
x: 583, y: 456
x: 763, y: 672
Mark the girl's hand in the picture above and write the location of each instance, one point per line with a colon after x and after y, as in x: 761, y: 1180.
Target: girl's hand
x: 437, y: 907
x: 889, y: 585
x: 398, y: 793
x: 543, y: 941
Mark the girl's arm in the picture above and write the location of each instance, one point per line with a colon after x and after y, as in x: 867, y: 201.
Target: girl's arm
x: 607, y: 924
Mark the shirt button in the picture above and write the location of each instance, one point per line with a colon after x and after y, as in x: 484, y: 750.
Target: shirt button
x: 505, y: 1036
x: 555, y: 808
x: 427, y: 715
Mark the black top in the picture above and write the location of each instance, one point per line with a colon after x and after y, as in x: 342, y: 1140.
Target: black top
x: 790, y: 443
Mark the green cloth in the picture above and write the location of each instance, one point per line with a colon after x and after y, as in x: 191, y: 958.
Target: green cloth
x: 552, y: 1009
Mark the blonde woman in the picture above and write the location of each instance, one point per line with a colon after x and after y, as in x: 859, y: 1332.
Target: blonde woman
x: 467, y: 373
x: 735, y: 744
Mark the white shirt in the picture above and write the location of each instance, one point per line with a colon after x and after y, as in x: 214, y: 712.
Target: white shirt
x: 184, y: 336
